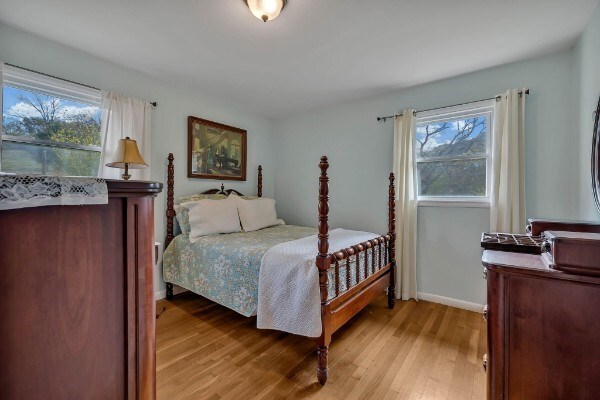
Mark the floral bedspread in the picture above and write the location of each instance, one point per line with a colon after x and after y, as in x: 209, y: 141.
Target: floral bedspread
x: 225, y: 268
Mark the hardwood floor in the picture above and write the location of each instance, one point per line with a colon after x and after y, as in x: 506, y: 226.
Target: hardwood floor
x: 416, y: 351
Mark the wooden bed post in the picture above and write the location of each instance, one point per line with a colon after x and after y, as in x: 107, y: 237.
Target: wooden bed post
x: 259, y: 189
x: 392, y: 246
x: 170, y: 212
x: 323, y: 263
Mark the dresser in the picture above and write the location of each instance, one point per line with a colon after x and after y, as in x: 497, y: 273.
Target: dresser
x: 77, y: 313
x: 543, y: 329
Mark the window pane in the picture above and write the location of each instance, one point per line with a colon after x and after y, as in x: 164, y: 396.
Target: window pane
x: 452, y: 178
x: 453, y: 138
x: 33, y: 159
x: 42, y: 117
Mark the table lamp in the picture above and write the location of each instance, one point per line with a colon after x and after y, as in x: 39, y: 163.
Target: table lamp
x: 127, y: 156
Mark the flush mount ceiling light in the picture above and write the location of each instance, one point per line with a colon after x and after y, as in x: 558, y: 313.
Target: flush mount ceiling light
x: 266, y: 10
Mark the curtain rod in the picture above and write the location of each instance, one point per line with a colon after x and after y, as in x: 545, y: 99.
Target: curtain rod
x: 153, y: 103
x: 453, y: 105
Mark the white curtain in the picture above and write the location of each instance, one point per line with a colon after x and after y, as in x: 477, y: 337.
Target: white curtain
x: 124, y: 116
x: 405, y: 170
x: 508, y: 182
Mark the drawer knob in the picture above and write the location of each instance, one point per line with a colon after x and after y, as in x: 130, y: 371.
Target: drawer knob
x: 485, y: 313
x: 484, y: 365
x: 485, y: 273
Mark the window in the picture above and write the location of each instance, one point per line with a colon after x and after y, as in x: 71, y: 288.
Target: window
x: 49, y: 126
x: 454, y: 153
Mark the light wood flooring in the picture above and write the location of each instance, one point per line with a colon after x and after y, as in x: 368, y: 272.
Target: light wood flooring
x: 416, y: 351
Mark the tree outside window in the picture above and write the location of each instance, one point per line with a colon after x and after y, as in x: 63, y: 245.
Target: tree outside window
x: 45, y: 134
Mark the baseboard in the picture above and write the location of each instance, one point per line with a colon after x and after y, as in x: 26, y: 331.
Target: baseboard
x: 465, y: 305
x: 162, y: 294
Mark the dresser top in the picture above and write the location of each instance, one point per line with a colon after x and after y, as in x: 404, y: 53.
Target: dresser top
x: 527, y: 264
x: 132, y: 188
x: 515, y: 260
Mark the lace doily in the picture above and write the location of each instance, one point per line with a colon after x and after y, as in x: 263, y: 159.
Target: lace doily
x: 21, y: 191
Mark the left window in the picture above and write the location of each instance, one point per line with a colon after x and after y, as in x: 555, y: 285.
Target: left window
x: 49, y: 126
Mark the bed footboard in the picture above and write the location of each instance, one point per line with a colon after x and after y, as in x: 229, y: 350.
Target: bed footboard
x: 374, y: 267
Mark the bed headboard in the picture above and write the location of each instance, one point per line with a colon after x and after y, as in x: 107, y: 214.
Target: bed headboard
x: 171, y: 195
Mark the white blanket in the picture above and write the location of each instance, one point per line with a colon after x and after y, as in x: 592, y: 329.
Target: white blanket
x: 289, y: 299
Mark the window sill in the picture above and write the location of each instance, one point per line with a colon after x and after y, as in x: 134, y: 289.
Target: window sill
x: 453, y: 203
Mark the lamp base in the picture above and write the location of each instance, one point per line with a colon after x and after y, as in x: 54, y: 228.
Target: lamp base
x: 126, y: 176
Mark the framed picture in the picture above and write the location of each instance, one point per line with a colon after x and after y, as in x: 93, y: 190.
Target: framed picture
x: 216, y: 151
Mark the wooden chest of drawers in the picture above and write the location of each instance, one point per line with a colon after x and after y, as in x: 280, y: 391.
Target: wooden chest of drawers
x: 77, y: 311
x: 543, y: 330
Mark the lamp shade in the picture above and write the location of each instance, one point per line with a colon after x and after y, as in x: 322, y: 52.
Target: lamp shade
x: 266, y: 10
x: 127, y: 153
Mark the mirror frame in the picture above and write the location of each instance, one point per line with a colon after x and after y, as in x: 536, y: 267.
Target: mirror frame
x: 596, y: 158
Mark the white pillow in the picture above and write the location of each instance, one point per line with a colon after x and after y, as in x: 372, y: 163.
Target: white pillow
x: 257, y: 213
x: 209, y: 217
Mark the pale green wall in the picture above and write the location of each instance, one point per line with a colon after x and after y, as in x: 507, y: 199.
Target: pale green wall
x: 564, y: 89
x: 587, y: 82
x: 169, y: 119
x: 360, y: 153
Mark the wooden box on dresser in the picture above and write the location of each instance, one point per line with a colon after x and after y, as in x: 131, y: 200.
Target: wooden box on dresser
x: 77, y: 311
x: 543, y: 329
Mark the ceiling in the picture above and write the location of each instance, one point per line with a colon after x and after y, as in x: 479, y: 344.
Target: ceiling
x: 317, y: 53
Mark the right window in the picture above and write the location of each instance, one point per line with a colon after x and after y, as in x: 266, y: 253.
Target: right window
x: 453, y: 147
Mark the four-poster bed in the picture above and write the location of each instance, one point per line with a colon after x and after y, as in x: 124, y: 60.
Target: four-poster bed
x: 348, y: 278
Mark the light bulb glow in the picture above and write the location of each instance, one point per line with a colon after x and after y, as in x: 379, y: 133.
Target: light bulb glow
x: 270, y: 6
x: 265, y: 10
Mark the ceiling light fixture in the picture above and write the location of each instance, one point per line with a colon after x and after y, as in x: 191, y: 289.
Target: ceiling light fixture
x: 266, y: 10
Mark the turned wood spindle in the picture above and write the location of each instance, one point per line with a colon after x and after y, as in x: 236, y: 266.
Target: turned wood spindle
x: 170, y: 199
x: 373, y: 258
x: 379, y: 253
x: 259, y: 188
x: 323, y: 262
x: 347, y: 256
x: 170, y: 213
x: 337, y: 278
x: 366, y: 259
x: 392, y: 242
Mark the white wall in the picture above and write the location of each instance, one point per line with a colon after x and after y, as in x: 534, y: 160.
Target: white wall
x: 169, y: 119
x: 587, y: 82
x: 360, y: 153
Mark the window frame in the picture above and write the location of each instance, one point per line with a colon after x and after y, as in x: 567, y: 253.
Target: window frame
x: 23, y: 79
x: 444, y: 114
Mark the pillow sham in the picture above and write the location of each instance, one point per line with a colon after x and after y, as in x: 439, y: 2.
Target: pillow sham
x: 183, y: 219
x: 181, y: 213
x: 256, y: 214
x: 209, y: 217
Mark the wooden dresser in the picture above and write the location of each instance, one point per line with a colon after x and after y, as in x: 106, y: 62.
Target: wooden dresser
x: 77, y: 310
x: 543, y: 330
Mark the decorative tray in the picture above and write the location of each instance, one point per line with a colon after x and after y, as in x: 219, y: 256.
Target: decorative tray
x: 512, y: 243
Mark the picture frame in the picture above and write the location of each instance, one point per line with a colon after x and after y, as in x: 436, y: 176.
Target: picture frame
x: 216, y: 151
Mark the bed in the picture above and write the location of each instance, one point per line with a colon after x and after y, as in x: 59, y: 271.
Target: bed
x: 242, y: 271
